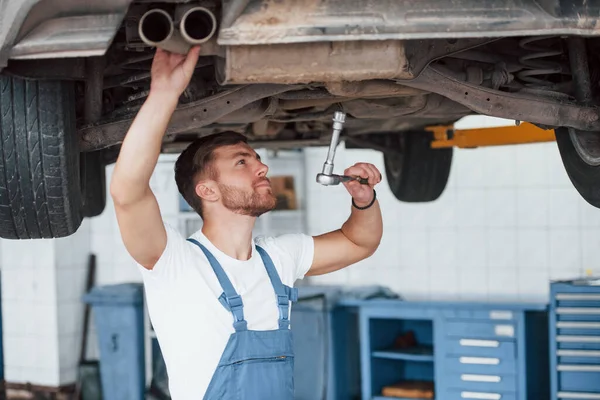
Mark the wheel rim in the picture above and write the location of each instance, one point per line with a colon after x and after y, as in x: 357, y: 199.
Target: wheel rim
x: 587, y: 145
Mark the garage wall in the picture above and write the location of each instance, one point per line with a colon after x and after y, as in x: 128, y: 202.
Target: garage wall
x: 509, y: 222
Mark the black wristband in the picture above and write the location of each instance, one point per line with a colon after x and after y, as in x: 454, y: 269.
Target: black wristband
x: 368, y: 205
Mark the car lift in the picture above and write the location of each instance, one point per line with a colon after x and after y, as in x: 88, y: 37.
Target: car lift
x: 447, y: 136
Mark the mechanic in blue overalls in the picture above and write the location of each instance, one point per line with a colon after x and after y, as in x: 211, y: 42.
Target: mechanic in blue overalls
x: 219, y: 300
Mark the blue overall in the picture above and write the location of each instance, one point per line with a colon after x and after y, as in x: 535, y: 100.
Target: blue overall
x: 257, y: 365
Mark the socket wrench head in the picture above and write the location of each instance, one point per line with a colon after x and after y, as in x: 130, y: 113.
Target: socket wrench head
x: 328, y: 180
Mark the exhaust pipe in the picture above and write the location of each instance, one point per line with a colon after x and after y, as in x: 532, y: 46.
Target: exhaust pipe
x: 198, y: 25
x: 156, y: 28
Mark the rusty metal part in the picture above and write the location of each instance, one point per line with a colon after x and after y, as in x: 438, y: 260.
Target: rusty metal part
x: 93, y: 89
x: 313, y: 62
x: 188, y: 117
x: 541, y: 111
x: 371, y: 88
x: 179, y: 146
x: 446, y: 136
x: 421, y: 53
x: 385, y: 108
x: 307, y: 103
x: 265, y: 128
x: 270, y: 21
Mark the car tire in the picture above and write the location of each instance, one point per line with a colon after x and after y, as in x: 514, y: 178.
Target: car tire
x: 580, y: 154
x: 93, y: 171
x: 417, y: 173
x: 40, y: 193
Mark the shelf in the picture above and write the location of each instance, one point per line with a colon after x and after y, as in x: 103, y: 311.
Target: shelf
x: 420, y: 353
x: 397, y: 398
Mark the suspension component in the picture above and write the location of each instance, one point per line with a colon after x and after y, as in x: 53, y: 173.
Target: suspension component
x: 538, y: 69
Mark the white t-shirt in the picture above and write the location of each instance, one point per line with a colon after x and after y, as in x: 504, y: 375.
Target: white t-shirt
x: 182, y: 292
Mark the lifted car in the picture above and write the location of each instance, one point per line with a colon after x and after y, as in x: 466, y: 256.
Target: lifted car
x: 74, y: 73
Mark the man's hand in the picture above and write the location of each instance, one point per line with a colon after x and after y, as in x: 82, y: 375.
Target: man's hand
x: 361, y: 193
x: 171, y: 72
x: 360, y: 235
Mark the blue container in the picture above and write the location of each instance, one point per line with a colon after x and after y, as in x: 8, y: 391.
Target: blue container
x: 119, y: 319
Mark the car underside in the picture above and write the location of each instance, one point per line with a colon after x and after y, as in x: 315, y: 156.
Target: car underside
x: 277, y: 71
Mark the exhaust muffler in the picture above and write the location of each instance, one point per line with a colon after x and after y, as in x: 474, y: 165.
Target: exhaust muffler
x: 156, y: 28
x: 196, y: 26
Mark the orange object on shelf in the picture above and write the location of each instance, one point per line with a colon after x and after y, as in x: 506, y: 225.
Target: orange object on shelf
x: 410, y: 389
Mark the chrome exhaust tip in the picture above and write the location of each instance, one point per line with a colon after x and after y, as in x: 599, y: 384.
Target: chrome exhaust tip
x: 156, y: 28
x: 198, y: 25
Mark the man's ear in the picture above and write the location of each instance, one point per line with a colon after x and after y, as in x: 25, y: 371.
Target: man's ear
x: 207, y: 190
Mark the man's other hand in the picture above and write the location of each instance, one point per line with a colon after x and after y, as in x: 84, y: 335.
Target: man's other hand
x: 362, y: 193
x: 171, y: 73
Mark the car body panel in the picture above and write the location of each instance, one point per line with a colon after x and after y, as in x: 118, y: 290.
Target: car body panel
x: 57, y: 28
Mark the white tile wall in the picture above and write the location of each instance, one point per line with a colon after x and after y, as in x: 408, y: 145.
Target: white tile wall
x: 42, y: 283
x: 508, y: 223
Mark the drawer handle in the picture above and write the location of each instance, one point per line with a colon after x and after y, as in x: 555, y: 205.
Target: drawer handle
x: 501, y: 314
x: 480, y: 378
x: 504, y: 330
x: 581, y: 296
x: 578, y: 368
x: 578, y: 310
x: 578, y: 339
x: 479, y: 360
x: 479, y: 343
x: 578, y: 325
x: 578, y: 353
x: 481, y: 396
x: 578, y: 395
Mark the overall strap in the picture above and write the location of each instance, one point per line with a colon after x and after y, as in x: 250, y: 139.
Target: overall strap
x: 284, y: 294
x: 229, y: 298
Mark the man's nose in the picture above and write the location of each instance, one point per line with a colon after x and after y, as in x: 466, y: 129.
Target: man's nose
x: 262, y: 169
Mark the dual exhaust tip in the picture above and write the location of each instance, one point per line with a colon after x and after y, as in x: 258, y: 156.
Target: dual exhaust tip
x: 157, y: 29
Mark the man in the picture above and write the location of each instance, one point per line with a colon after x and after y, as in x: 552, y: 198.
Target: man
x: 219, y: 301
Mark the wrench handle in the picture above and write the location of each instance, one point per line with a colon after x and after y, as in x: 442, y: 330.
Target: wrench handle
x: 361, y: 180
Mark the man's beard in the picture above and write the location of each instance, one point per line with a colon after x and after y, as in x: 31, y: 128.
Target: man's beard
x: 247, y: 203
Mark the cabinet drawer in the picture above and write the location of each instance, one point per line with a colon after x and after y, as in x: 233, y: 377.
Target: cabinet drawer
x: 579, y: 378
x: 578, y: 342
x: 470, y: 395
x: 483, y: 382
x: 481, y: 348
x: 591, y: 357
x: 483, y: 330
x: 481, y: 365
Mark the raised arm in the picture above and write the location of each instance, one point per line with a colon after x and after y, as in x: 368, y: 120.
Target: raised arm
x: 360, y: 235
x: 138, y: 214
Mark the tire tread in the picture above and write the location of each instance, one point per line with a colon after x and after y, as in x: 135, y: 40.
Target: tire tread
x: 39, y: 190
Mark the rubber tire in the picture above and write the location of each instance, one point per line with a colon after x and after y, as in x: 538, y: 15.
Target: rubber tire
x: 93, y: 171
x: 419, y: 174
x: 39, y: 160
x: 585, y: 177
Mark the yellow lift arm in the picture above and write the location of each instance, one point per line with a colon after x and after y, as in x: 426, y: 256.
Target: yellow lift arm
x: 447, y: 136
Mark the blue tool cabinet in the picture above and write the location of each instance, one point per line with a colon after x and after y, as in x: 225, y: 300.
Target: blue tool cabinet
x: 468, y: 350
x: 575, y: 340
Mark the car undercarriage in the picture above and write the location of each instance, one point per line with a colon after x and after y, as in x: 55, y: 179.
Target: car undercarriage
x: 277, y: 71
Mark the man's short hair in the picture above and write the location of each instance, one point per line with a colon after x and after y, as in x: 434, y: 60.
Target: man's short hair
x: 195, y: 162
